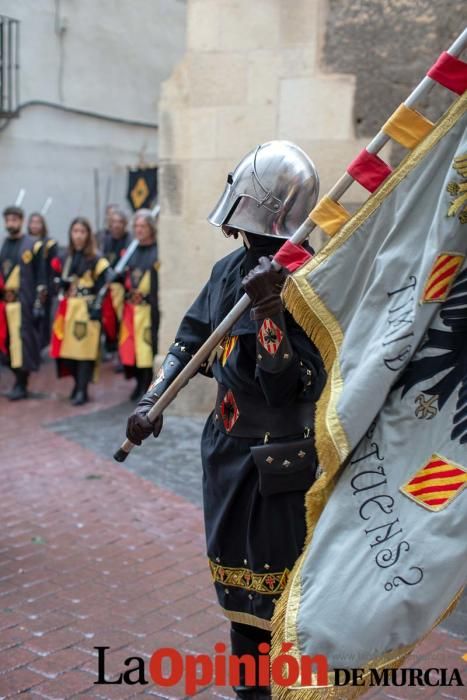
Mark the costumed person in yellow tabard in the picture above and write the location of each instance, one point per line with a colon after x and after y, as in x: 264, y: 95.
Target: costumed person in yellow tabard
x: 22, y: 287
x: 140, y: 322
x: 77, y: 327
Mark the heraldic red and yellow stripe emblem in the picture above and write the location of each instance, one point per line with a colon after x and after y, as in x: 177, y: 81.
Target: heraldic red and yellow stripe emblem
x: 436, y: 484
x: 441, y: 277
x: 228, y: 345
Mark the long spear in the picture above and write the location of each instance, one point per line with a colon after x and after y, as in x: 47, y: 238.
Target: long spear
x: 20, y: 197
x: 341, y: 186
x: 47, y: 205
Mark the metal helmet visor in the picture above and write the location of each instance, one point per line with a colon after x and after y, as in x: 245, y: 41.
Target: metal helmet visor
x: 226, y: 203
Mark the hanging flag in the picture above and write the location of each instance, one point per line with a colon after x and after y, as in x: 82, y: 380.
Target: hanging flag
x: 142, y: 188
x: 385, y: 301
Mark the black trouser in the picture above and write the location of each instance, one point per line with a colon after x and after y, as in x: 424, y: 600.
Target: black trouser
x: 245, y: 640
x: 81, y: 371
x: 22, y: 377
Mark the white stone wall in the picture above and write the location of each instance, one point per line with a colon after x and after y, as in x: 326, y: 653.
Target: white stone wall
x: 112, y: 56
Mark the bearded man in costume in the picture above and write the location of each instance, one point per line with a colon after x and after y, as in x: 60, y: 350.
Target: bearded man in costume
x: 22, y: 296
x: 257, y: 446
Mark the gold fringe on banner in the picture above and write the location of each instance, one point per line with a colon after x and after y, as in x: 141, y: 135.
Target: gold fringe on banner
x: 331, y: 441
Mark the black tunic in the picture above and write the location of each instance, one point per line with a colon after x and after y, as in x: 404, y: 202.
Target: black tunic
x: 23, y: 253
x: 112, y: 248
x: 252, y: 540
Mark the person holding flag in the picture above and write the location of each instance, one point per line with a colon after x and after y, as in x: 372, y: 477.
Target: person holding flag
x: 257, y: 446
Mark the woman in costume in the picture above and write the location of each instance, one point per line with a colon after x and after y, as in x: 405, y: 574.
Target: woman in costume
x: 77, y: 326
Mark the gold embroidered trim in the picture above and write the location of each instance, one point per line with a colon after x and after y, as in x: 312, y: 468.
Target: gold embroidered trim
x: 37, y: 246
x: 267, y: 583
x: 458, y: 190
x: 247, y: 619
x: 323, y: 328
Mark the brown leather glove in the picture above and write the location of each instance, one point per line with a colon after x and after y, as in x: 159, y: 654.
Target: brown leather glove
x: 263, y: 285
x: 138, y: 426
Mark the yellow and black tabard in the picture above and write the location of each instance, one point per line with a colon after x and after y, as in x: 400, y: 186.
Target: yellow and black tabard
x: 140, y: 322
x: 21, y: 273
x: 74, y: 335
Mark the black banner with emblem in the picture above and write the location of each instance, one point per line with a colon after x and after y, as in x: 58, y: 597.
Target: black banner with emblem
x: 142, y: 187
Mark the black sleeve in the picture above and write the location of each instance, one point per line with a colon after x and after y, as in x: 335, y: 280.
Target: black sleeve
x: 302, y: 375
x: 194, y: 329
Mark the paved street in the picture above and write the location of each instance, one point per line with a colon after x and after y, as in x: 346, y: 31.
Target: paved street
x: 93, y: 553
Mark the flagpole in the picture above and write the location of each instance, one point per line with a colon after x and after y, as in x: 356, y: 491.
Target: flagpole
x: 336, y: 192
x: 381, y: 139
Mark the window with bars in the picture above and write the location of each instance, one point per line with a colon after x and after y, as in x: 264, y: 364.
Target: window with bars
x: 9, y: 66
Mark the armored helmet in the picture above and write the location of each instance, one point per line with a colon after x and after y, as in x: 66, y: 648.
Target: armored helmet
x: 270, y: 193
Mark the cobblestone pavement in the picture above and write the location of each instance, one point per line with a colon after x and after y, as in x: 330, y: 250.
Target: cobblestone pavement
x: 96, y: 554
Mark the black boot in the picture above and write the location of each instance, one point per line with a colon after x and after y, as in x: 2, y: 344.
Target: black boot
x: 84, y: 370
x: 244, y: 640
x: 20, y: 388
x: 80, y: 398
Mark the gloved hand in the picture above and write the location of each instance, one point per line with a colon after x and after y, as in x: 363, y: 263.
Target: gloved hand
x: 138, y: 427
x: 95, y: 312
x: 263, y: 285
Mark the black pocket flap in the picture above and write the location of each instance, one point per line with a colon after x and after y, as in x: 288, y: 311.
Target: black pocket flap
x: 283, y: 467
